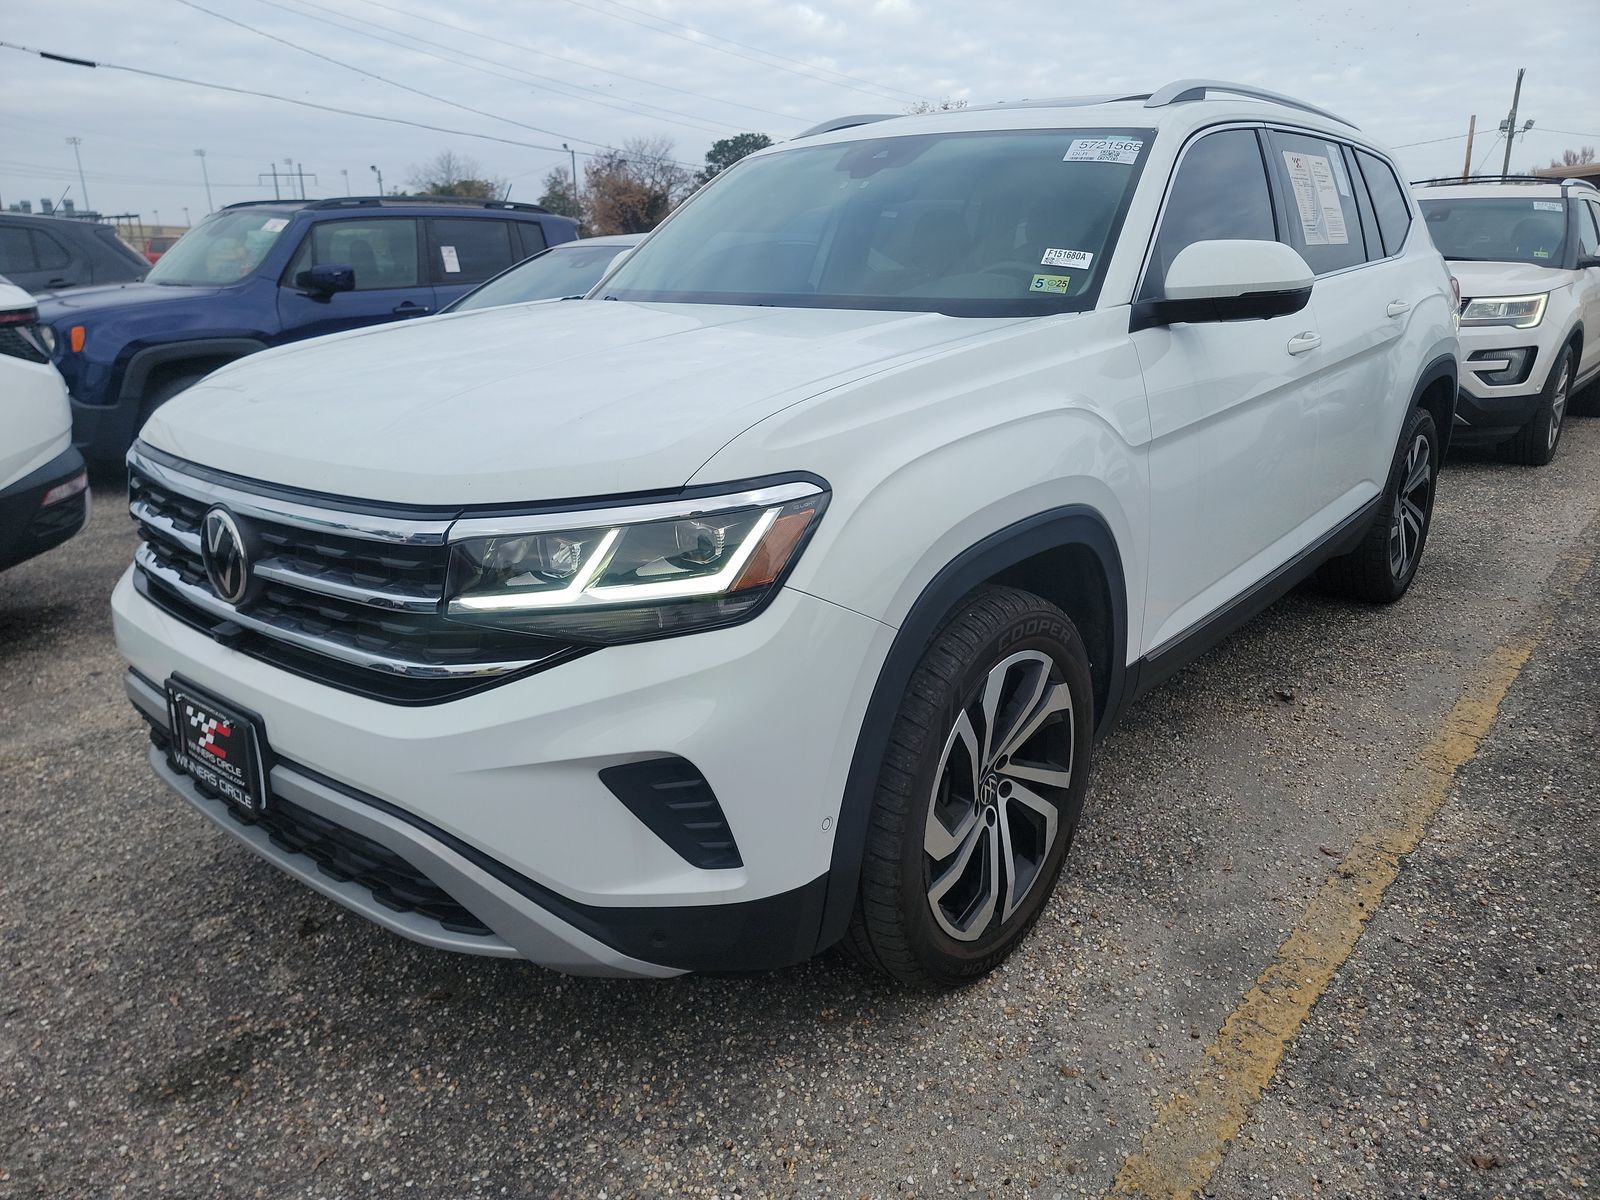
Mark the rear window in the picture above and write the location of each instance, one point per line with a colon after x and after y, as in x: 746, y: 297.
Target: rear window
x: 1498, y: 228
x: 1388, y: 199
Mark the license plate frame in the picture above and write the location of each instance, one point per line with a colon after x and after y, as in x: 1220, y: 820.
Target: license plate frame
x: 219, y: 746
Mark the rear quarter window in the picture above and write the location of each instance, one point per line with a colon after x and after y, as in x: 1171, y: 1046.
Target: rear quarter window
x: 1388, y: 200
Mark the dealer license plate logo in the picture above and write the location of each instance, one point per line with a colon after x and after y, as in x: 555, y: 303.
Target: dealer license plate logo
x: 216, y: 748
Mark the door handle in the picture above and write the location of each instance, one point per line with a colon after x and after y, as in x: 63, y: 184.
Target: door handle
x: 1302, y: 343
x: 1397, y: 308
x: 59, y: 282
x: 408, y: 309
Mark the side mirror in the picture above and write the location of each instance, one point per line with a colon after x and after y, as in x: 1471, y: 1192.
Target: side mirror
x: 1229, y: 281
x: 325, y: 279
x: 1585, y: 261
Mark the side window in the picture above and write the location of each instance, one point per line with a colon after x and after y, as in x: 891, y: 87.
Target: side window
x: 533, y: 239
x: 1588, y: 234
x: 1220, y: 193
x: 1324, y: 222
x: 52, y: 254
x: 470, y: 249
x: 16, y: 250
x: 1389, y: 199
x: 382, y: 250
x: 1369, y: 219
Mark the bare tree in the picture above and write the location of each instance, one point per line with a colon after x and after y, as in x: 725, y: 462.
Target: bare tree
x: 632, y: 189
x: 1574, y: 158
x: 450, y: 174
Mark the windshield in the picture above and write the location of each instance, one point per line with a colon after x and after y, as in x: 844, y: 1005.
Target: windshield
x: 221, y: 249
x: 567, y: 270
x: 1010, y: 223
x: 1498, y: 229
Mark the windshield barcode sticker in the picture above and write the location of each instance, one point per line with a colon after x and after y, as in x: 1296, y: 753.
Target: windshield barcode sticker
x: 1067, y: 258
x: 1547, y: 205
x: 1112, y: 150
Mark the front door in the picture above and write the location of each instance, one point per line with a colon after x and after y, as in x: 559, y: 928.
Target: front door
x: 384, y: 253
x: 1233, y: 438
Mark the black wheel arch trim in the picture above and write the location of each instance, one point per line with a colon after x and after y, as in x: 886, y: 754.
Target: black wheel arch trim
x: 1071, y: 525
x: 1443, y: 367
x: 136, y: 375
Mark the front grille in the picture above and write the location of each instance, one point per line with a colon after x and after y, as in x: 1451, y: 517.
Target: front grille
x: 351, y: 600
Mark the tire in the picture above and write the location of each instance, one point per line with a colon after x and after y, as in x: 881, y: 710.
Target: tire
x: 964, y: 845
x: 1535, y: 443
x: 1381, y: 568
x: 158, y: 394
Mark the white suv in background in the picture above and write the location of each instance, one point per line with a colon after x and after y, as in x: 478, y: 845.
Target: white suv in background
x: 775, y: 595
x: 1526, y: 251
x: 44, y: 489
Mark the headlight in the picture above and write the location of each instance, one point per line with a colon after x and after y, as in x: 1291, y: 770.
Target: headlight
x: 47, y: 339
x: 1520, y: 312
x: 635, y: 572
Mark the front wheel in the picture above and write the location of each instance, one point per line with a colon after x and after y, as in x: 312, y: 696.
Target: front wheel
x: 979, y: 793
x: 1535, y: 444
x: 1381, y: 568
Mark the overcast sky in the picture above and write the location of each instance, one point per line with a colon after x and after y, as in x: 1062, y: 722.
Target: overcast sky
x: 593, y: 73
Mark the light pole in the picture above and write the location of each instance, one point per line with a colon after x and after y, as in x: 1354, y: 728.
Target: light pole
x: 379, y: 174
x: 188, y: 221
x: 83, y: 188
x: 158, y: 219
x: 345, y: 172
x: 206, y: 175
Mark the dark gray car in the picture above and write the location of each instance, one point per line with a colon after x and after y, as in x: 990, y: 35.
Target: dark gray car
x: 48, y: 254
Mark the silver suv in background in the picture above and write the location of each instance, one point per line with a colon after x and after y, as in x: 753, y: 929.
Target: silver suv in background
x: 1526, y: 251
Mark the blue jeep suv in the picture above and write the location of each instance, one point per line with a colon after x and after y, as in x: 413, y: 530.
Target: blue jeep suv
x: 263, y: 273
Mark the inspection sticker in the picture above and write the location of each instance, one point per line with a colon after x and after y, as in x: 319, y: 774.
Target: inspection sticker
x: 1050, y: 283
x: 452, y: 264
x: 1067, y: 258
x: 275, y: 224
x: 1547, y: 206
x: 1112, y: 150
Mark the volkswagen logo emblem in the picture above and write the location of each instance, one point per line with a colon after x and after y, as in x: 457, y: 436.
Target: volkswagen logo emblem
x: 222, y: 548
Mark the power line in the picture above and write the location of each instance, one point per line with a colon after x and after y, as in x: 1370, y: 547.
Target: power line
x: 802, y: 70
x: 703, y: 125
x: 405, y: 87
x: 1564, y: 132
x: 1456, y: 137
x: 76, y: 61
x: 527, y: 49
x: 1486, y: 152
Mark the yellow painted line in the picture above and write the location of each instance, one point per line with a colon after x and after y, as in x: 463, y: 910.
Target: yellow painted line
x: 1194, y: 1127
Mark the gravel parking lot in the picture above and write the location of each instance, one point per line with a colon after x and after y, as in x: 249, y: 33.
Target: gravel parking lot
x: 179, y: 1019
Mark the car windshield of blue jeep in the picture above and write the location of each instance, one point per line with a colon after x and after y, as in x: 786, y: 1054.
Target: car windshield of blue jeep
x: 1485, y: 229
x: 980, y: 224
x: 567, y: 270
x: 221, y: 249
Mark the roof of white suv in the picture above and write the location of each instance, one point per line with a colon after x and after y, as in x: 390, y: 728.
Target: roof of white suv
x: 1521, y: 186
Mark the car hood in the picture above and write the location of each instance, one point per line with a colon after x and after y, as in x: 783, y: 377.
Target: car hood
x: 80, y: 302
x: 528, y: 403
x: 1505, y: 278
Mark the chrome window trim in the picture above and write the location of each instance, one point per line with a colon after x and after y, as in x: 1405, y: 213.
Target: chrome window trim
x: 408, y: 668
x: 631, y: 514
x: 396, y: 530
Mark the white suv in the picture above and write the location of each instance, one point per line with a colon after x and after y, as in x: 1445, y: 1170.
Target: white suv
x: 1526, y: 251
x: 776, y: 594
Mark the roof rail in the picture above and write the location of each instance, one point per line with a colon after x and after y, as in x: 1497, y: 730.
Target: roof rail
x: 849, y: 122
x: 1588, y: 183
x: 375, y: 201
x: 1182, y: 91
x: 258, y: 203
x: 1456, y: 180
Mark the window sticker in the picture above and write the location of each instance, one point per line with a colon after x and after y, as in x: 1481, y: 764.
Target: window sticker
x: 1547, y: 206
x: 1112, y: 150
x: 1051, y: 283
x: 1316, y: 195
x: 1339, y: 175
x: 1067, y: 258
x: 275, y: 224
x: 452, y: 264
x: 1537, y: 254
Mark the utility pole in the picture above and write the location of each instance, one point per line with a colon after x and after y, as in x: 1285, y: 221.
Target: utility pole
x: 206, y: 175
x: 345, y: 174
x: 1510, y: 127
x: 83, y: 188
x: 379, y: 174
x: 1472, y: 127
x: 275, y: 195
x: 577, y: 196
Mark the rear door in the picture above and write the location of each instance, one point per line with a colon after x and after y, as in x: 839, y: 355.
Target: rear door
x: 385, y: 254
x: 1233, y: 439
x: 465, y: 251
x: 61, y: 263
x: 1589, y: 284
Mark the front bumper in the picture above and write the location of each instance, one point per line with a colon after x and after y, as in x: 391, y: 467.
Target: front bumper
x: 496, y: 798
x: 27, y: 526
x: 1487, y: 412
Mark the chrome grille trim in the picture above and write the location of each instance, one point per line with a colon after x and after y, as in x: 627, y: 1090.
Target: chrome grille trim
x: 397, y: 600
x: 405, y: 531
x: 202, y: 599
x: 164, y: 526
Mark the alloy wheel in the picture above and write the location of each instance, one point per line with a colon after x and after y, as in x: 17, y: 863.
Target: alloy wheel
x: 1001, y: 786
x: 1412, y: 504
x: 1558, y: 406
